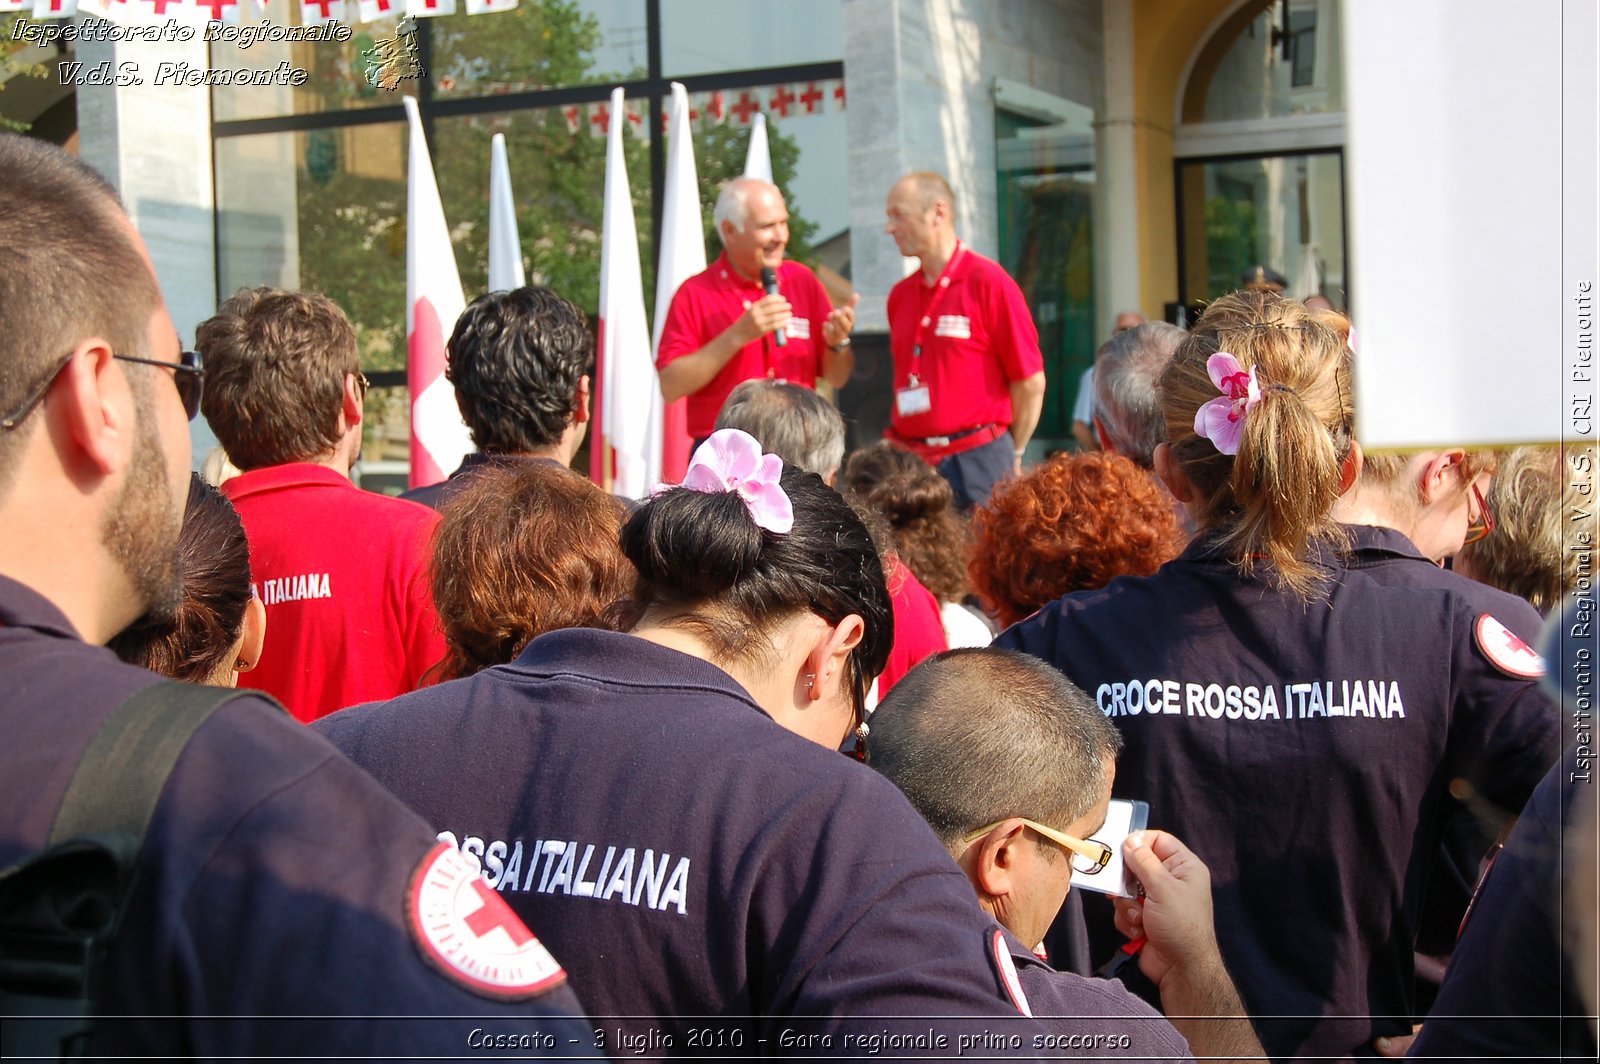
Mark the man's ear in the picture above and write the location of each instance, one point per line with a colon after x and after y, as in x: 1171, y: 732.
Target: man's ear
x: 995, y: 865
x: 351, y: 405
x: 1171, y: 473
x: 86, y: 394
x: 1440, y: 476
x: 580, y: 401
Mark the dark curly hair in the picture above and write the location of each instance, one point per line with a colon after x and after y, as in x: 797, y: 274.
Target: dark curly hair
x: 702, y: 557
x: 515, y: 359
x: 196, y: 643
x: 524, y: 548
x: 1070, y: 524
x: 919, y: 508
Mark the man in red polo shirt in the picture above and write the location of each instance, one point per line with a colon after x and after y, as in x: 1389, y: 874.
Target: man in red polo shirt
x: 724, y: 328
x: 968, y: 375
x: 341, y: 571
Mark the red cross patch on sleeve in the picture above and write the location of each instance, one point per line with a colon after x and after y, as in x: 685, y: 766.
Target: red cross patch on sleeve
x: 1506, y: 650
x: 463, y: 928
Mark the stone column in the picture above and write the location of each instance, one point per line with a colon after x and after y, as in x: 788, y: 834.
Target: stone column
x: 153, y: 142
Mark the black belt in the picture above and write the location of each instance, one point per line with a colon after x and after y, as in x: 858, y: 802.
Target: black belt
x: 945, y: 441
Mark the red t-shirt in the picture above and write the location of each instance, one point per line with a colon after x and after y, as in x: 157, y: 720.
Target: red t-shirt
x: 979, y: 340
x: 918, y: 631
x: 709, y: 302
x: 343, y: 574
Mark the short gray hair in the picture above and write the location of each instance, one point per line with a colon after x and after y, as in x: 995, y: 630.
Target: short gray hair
x: 976, y: 735
x: 792, y: 422
x: 1127, y: 396
x: 732, y: 205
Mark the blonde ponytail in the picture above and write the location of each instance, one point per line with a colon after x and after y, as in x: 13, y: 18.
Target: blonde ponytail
x: 1270, y: 504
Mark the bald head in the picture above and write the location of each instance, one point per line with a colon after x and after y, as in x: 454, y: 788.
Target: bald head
x: 973, y: 736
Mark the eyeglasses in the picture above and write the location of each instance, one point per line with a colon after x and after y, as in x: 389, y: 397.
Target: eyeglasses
x: 187, y: 376
x: 1483, y: 524
x: 1088, y: 855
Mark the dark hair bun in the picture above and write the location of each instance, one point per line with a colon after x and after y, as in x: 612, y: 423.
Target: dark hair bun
x: 693, y: 545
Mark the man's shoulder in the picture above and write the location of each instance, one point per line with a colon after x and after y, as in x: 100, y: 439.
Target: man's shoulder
x: 980, y: 270
x: 302, y: 493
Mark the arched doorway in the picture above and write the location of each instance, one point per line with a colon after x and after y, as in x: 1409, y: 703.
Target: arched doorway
x: 1259, y: 154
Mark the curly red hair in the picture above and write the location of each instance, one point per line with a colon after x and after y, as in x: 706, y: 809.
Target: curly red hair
x: 523, y: 549
x: 1071, y: 524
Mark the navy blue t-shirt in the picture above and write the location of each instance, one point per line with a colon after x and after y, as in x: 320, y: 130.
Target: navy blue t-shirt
x: 1467, y: 833
x: 1302, y: 750
x: 1089, y: 1018
x: 270, y: 917
x: 1509, y: 991
x: 709, y: 879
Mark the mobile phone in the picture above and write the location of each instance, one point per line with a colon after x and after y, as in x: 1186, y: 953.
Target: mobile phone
x: 1123, y: 818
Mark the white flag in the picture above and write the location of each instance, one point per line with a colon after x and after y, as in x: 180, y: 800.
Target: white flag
x: 505, y: 244
x: 630, y: 393
x: 683, y: 254
x: 758, y: 160
x: 479, y: 7
x: 54, y: 8
x: 439, y: 438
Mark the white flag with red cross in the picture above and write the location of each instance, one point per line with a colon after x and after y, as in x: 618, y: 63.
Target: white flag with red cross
x: 54, y: 8
x: 430, y: 8
x: 321, y: 12
x: 375, y: 10
x: 745, y: 107
x: 482, y: 7
x: 439, y: 438
x: 202, y: 12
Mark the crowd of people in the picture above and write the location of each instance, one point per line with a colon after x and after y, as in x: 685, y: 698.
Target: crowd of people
x: 803, y: 755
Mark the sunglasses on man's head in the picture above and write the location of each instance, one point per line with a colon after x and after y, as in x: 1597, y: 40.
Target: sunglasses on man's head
x: 188, y: 375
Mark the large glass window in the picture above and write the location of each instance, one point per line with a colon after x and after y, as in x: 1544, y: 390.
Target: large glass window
x: 317, y: 200
x: 1281, y: 212
x: 705, y: 36
x: 1046, y: 192
x: 537, y: 46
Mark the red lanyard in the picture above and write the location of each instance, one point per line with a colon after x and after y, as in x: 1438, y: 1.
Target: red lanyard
x: 939, y: 287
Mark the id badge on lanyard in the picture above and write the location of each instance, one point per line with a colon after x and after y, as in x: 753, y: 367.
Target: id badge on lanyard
x: 913, y: 398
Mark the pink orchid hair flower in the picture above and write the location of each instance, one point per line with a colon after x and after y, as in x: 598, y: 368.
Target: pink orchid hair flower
x: 1222, y: 420
x: 731, y: 460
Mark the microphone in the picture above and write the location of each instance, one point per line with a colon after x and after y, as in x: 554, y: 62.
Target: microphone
x: 769, y: 281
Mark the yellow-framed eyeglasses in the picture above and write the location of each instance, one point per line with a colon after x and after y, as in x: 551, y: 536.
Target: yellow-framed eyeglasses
x: 1088, y: 855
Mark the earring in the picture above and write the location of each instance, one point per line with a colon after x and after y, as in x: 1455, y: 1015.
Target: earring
x: 811, y: 680
x: 862, y: 731
x: 241, y: 665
